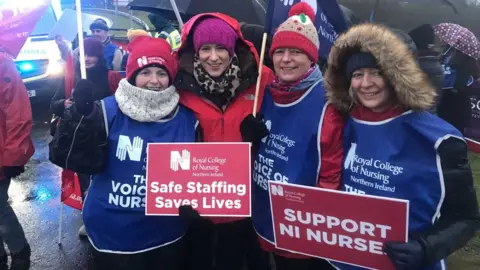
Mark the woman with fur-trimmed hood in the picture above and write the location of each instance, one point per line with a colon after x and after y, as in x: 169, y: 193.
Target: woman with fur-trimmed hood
x: 374, y: 78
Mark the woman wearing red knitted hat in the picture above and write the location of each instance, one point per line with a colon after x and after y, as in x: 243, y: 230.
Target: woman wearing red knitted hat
x: 294, y: 107
x: 108, y: 139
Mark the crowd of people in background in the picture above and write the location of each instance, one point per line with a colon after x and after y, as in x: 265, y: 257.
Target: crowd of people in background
x: 198, y: 85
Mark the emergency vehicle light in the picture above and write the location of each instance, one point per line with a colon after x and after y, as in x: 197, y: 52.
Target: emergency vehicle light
x: 26, y: 67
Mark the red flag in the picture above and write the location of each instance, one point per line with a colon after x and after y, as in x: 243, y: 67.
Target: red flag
x: 17, y: 20
x: 71, y: 193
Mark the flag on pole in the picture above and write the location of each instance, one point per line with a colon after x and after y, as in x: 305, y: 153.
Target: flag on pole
x: 71, y: 193
x: 17, y: 20
x: 329, y: 20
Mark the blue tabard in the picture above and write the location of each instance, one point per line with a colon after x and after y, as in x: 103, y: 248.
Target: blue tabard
x: 109, y: 54
x: 114, y: 210
x: 397, y: 158
x: 290, y: 153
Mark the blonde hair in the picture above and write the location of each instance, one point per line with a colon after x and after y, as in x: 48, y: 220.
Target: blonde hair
x: 353, y: 97
x: 133, y: 33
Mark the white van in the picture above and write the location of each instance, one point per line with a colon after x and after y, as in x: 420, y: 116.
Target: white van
x: 39, y: 61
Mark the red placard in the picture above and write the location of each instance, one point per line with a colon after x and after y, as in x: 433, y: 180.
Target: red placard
x: 212, y: 177
x: 335, y: 225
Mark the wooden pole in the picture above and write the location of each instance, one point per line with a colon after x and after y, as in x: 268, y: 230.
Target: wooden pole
x: 259, y: 79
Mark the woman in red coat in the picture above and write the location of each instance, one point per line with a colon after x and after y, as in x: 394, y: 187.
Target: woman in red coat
x: 217, y: 79
x: 16, y: 148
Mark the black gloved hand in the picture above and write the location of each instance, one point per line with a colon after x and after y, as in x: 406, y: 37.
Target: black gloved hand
x: 188, y: 214
x: 409, y: 255
x: 83, y: 96
x: 253, y: 128
x: 12, y: 172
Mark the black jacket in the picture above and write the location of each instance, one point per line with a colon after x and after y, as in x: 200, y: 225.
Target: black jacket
x: 80, y: 143
x: 459, y: 215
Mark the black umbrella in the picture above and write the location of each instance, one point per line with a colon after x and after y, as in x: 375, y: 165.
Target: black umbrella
x: 250, y: 11
x: 351, y: 18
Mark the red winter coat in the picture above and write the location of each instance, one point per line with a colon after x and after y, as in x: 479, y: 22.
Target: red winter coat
x: 220, y: 125
x: 16, y: 145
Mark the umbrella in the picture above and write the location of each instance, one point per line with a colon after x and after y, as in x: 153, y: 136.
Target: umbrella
x: 351, y: 18
x: 459, y: 38
x: 243, y: 12
x: 249, y: 11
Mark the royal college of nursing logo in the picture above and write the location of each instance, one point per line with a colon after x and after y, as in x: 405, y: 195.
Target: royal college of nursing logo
x: 125, y: 146
x: 268, y: 124
x: 277, y: 190
x: 371, y: 172
x: 350, y: 158
x: 142, y: 61
x: 182, y: 161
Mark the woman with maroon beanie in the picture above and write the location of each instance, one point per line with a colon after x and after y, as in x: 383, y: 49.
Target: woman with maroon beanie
x: 105, y: 81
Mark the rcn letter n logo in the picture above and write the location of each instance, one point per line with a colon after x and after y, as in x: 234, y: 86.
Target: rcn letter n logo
x: 277, y: 190
x: 125, y: 146
x: 180, y: 160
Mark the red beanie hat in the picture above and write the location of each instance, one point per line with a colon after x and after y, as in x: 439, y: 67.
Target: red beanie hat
x: 298, y: 32
x: 146, y: 51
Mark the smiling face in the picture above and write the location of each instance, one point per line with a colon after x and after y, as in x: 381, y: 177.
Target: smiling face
x: 290, y: 64
x: 214, y: 59
x: 90, y: 61
x: 152, y: 78
x: 371, y: 89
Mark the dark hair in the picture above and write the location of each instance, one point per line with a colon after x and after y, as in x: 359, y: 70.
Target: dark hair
x: 423, y: 36
x: 99, y: 24
x: 254, y: 34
